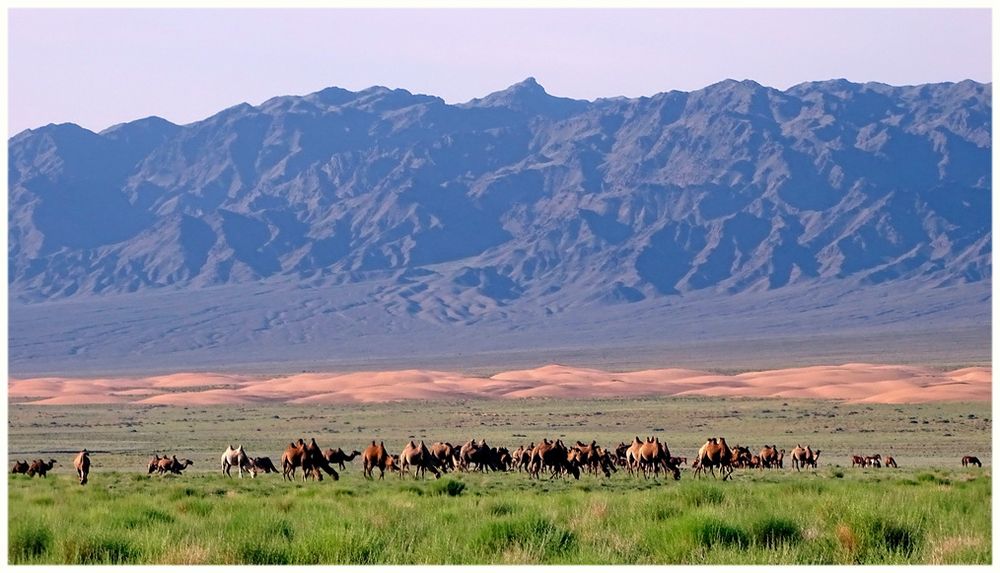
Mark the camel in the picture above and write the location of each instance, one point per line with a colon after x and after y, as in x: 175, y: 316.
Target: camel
x: 235, y: 457
x: 261, y: 465
x: 172, y: 465
x: 374, y: 457
x: 82, y: 465
x: 632, y: 456
x: 715, y: 453
x: 444, y: 453
x: 971, y: 461
x: 652, y: 454
x: 339, y: 457
x: 392, y: 464
x: 476, y: 453
x: 292, y: 458
x: 802, y: 457
x: 522, y: 457
x: 420, y: 458
x: 19, y: 467
x: 154, y: 463
x: 40, y: 467
x: 781, y: 458
x: 873, y: 461
x: 857, y: 461
x: 309, y: 458
x: 890, y: 462
x: 768, y: 456
x: 554, y: 456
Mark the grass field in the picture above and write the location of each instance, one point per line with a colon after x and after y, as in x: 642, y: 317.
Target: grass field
x: 931, y: 510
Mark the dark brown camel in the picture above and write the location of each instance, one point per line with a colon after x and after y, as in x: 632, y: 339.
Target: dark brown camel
x: 971, y: 461
x: 261, y: 465
x: 20, y: 467
x: 40, y: 467
x: 339, y: 457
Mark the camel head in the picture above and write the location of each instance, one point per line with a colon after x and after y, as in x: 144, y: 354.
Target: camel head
x: 52, y: 462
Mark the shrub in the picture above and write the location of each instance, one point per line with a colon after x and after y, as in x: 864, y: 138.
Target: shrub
x: 27, y: 541
x: 448, y: 487
x: 710, y: 532
x: 772, y: 532
x: 110, y: 550
x: 532, y: 534
x: 697, y: 496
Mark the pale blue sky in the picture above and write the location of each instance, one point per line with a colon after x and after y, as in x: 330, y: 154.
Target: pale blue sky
x: 101, y: 67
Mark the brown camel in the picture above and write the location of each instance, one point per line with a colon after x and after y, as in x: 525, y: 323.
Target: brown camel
x: 418, y: 457
x: 971, y: 461
x: 19, y: 467
x: 652, y: 455
x: 374, y: 457
x: 632, y: 456
x: 82, y: 465
x: 339, y: 457
x: 154, y: 463
x: 890, y: 462
x: 769, y: 456
x: 40, y: 467
x: 172, y: 465
x: 444, y: 453
x: 873, y: 461
x: 261, y: 465
x: 715, y: 453
x: 802, y: 457
x: 554, y: 456
x: 857, y: 461
x: 292, y: 458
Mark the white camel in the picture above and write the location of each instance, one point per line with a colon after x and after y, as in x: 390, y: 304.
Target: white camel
x: 235, y: 457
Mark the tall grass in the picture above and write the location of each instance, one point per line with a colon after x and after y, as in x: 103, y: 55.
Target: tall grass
x: 466, y: 518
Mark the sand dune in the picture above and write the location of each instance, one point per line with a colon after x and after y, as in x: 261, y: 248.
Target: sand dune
x: 848, y: 382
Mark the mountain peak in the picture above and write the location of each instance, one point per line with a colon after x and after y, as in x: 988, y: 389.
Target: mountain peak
x: 529, y: 97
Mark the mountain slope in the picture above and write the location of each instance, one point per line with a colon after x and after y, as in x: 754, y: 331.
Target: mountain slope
x: 516, y: 204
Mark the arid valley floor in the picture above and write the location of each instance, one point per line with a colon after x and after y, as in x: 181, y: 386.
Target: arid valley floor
x: 929, y: 510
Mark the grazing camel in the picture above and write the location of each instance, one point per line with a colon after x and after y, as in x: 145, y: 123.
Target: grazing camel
x: 890, y: 462
x: 82, y: 465
x: 971, y: 461
x: 873, y: 461
x: 420, y: 458
x: 339, y: 457
x: 40, y: 467
x: 374, y: 457
x: 261, y: 465
x: 19, y: 467
x: 235, y: 457
x: 715, y: 453
x: 857, y: 461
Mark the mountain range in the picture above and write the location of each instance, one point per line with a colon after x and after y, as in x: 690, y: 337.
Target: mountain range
x: 502, y: 212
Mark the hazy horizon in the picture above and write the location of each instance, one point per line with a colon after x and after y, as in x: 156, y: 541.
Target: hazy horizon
x: 104, y: 66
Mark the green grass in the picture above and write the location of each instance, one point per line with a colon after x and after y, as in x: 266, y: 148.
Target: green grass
x: 931, y: 510
x: 756, y: 519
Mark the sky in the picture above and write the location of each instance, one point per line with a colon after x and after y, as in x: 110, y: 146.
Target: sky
x: 100, y: 67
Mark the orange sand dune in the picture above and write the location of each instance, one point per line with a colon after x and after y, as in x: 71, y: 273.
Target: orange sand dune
x: 862, y: 383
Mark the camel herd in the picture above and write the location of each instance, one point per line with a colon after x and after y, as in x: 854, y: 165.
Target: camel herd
x: 648, y: 457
